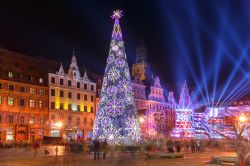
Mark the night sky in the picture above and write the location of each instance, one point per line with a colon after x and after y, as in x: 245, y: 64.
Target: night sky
x: 202, y: 41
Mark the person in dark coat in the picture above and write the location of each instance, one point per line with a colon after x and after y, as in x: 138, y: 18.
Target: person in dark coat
x: 105, y: 148
x: 170, y: 146
x: 178, y: 146
x: 96, y: 148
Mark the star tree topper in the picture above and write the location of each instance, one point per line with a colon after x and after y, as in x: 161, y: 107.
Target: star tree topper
x: 117, y: 14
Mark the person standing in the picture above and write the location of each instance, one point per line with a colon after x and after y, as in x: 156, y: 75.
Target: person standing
x: 36, y: 146
x: 96, y: 149
x: 178, y: 145
x: 170, y: 146
x: 105, y: 149
x: 56, y: 150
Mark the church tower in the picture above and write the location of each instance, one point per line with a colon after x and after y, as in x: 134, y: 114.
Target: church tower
x: 141, y: 67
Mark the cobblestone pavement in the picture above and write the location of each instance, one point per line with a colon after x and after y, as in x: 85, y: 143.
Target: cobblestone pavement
x: 121, y: 159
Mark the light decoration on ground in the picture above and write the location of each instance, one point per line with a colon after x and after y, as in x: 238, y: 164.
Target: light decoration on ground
x: 116, y: 118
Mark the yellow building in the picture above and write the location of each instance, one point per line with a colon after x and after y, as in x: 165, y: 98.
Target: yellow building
x: 72, y: 103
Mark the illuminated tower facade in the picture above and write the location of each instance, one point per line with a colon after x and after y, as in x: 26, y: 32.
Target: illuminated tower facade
x: 116, y: 119
x: 141, y: 67
x: 72, y: 103
x: 184, y: 116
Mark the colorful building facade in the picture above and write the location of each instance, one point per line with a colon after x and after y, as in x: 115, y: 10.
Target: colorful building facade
x: 72, y: 103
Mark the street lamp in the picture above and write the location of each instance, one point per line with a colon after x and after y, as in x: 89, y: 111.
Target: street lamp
x: 242, y: 118
x: 141, y: 119
x: 59, y: 124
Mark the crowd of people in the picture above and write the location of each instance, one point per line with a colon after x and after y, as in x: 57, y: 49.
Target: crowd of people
x: 185, y: 145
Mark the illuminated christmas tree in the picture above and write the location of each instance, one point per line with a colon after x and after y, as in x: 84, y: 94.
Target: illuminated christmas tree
x: 116, y: 118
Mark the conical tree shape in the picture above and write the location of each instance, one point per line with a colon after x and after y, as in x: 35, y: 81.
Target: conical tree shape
x: 116, y: 118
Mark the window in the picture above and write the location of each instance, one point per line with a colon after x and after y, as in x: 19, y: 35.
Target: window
x: 85, y: 120
x: 10, y: 101
x: 78, y: 108
x: 91, y: 109
x: 21, y: 102
x: 85, y: 109
x: 42, y: 120
x: 52, y: 105
x: 53, y: 92
x: 32, y: 103
x: 92, y: 98
x: 78, y: 120
x: 85, y: 97
x: 78, y: 96
x: 41, y: 80
x: 21, y: 119
x: 70, y: 107
x: 78, y: 84
x: 69, y: 83
x: 1, y: 100
x: 85, y: 86
x: 32, y: 120
x: 61, y: 106
x: 32, y: 79
x: 61, y: 81
x: 10, y: 74
x: 40, y: 104
x: 53, y: 117
x: 61, y: 94
x: 32, y: 90
x: 69, y: 119
x: 22, y: 89
x: 1, y: 86
x: 11, y: 87
x: 0, y: 118
x: 70, y: 95
x: 53, y: 80
x: 91, y: 122
x: 10, y: 118
x: 42, y: 91
x: 92, y: 87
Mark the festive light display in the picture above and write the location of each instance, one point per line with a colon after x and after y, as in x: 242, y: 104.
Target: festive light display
x: 116, y: 119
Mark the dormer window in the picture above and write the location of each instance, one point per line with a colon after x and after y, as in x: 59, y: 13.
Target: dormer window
x: 10, y: 74
x: 41, y: 80
x: 74, y: 71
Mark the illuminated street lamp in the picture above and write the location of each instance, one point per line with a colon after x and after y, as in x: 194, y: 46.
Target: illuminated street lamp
x: 141, y: 119
x: 242, y: 118
x: 59, y: 124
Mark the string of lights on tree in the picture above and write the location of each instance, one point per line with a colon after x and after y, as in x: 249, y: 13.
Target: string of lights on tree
x: 116, y: 119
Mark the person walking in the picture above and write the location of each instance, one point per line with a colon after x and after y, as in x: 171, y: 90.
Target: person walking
x: 96, y: 149
x: 35, y: 146
x: 192, y: 145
